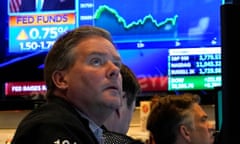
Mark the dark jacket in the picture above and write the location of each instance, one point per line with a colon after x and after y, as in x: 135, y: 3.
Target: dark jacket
x: 54, y: 122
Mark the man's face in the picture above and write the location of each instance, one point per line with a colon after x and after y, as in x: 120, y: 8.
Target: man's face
x: 202, y: 131
x: 119, y: 121
x: 125, y: 115
x: 94, y: 81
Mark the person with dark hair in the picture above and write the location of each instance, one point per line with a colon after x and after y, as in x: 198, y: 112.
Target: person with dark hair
x: 179, y: 119
x: 118, y: 122
x: 84, y: 87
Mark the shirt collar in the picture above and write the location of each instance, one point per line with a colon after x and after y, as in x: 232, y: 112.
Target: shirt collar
x: 97, y: 130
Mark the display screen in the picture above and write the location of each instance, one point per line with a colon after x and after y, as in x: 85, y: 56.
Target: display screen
x: 170, y: 45
x: 156, y: 23
x: 194, y: 68
x: 34, y: 31
x: 25, y: 88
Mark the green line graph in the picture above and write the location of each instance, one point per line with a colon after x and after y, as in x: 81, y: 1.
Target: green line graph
x: 104, y: 8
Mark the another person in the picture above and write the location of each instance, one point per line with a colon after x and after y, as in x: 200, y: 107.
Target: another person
x: 117, y: 125
x: 119, y: 121
x: 179, y: 119
x: 84, y: 87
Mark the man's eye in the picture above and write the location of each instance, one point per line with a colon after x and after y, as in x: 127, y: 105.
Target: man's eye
x: 118, y: 64
x: 204, y: 119
x: 96, y: 61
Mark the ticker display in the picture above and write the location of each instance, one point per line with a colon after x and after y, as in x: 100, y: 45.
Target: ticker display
x: 194, y: 68
x: 37, y: 32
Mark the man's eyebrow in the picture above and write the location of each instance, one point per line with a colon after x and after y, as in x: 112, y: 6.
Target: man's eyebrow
x: 104, y: 54
x: 98, y: 53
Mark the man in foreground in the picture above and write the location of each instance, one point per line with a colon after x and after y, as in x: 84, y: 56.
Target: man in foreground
x: 84, y: 86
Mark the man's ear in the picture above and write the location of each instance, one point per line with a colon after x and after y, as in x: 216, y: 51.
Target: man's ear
x: 185, y: 133
x: 58, y: 78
